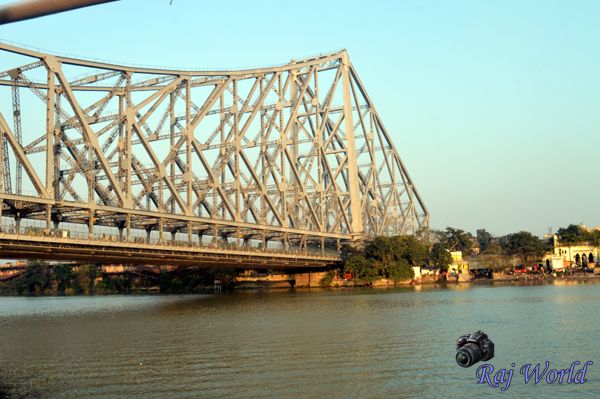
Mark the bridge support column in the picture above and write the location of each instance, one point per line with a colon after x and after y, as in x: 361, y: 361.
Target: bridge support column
x: 160, y: 230
x: 18, y: 222
x: 128, y: 226
x: 148, y: 231
x: 120, y: 226
x: 1, y: 206
x: 91, y: 224
x: 215, y: 234
x: 286, y: 242
x: 189, y: 231
x: 322, y: 245
x: 237, y: 237
x: 56, y: 218
x: 48, y: 218
x: 264, y: 240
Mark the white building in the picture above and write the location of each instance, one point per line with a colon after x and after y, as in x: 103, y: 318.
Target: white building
x: 574, y: 254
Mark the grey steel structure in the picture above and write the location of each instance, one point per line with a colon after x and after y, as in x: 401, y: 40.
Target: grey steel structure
x: 288, y: 162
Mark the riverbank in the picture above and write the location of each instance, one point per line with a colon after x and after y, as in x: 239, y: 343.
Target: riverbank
x: 39, y: 279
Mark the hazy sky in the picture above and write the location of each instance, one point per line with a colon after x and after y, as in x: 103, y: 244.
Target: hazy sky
x: 494, y: 106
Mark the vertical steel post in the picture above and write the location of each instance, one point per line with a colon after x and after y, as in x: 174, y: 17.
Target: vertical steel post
x: 353, y: 184
x: 50, y: 135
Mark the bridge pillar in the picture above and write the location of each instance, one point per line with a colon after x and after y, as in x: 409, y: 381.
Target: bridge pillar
x: 322, y: 245
x: 18, y: 221
x: 357, y: 226
x: 148, y: 231
x: 286, y: 242
x: 120, y: 226
x: 189, y: 231
x: 48, y: 218
x: 215, y: 234
x: 1, y: 206
x: 264, y: 240
x: 128, y: 226
x: 91, y: 223
x: 160, y: 230
x: 56, y: 219
x: 238, y: 236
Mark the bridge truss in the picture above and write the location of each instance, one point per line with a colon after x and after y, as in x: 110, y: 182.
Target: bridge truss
x: 293, y: 156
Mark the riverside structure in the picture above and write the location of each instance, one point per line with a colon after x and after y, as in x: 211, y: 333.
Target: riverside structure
x: 272, y: 166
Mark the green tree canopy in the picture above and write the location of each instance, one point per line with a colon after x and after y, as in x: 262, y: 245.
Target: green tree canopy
x: 35, y: 280
x: 399, y: 270
x: 440, y: 256
x: 381, y: 249
x: 574, y: 234
x: 63, y: 275
x: 414, y: 251
x: 484, y: 239
x: 361, y: 268
x: 524, y: 245
x: 458, y: 240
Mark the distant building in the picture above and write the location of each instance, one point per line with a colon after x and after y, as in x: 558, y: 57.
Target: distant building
x: 458, y: 265
x: 582, y: 254
x: 475, y: 248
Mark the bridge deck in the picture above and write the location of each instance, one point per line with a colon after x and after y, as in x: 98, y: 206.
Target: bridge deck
x: 13, y: 245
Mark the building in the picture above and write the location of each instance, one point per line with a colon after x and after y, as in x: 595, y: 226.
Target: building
x: 581, y: 254
x: 458, y: 265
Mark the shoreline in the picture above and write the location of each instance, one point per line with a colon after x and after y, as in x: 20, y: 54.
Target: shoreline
x: 531, y: 280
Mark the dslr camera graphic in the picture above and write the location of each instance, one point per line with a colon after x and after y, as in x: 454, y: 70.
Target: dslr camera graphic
x: 471, y: 348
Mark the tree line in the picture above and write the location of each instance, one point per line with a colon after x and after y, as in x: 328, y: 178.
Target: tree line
x: 394, y: 257
x: 41, y: 278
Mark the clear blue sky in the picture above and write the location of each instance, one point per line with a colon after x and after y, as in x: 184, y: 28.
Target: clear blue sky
x: 494, y: 106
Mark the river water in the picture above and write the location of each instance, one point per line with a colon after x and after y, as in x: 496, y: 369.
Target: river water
x: 351, y: 343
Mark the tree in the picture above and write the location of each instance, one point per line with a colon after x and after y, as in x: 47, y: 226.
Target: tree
x: 399, y: 270
x: 409, y: 248
x: 524, y: 245
x: 440, y: 257
x: 494, y: 248
x: 35, y: 280
x: 63, y: 276
x: 484, y: 239
x: 86, y: 278
x: 574, y: 234
x: 361, y: 268
x: 430, y: 236
x: 380, y: 249
x: 458, y: 240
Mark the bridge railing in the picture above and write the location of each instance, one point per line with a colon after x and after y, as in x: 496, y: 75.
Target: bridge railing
x: 60, y: 234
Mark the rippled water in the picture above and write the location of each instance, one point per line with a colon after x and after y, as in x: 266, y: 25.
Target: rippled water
x: 307, y: 344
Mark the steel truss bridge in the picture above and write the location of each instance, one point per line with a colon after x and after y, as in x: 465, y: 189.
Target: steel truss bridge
x: 269, y: 167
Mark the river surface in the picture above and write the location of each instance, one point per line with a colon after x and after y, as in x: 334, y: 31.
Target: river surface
x: 351, y: 343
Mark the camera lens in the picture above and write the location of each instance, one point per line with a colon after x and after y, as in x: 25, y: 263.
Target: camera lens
x: 468, y: 355
x: 462, y: 358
